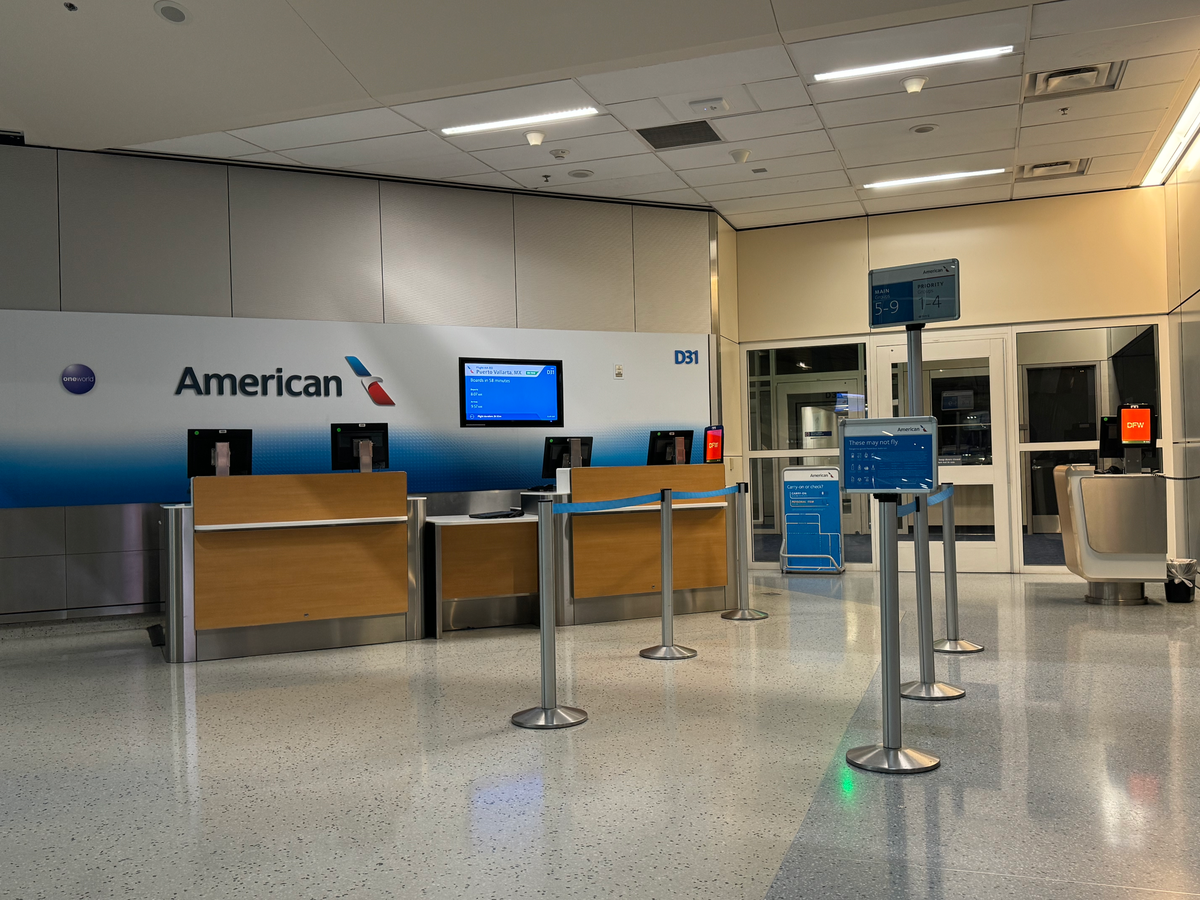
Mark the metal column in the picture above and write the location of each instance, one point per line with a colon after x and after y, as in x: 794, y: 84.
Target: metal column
x: 668, y: 649
x: 743, y: 613
x: 178, y: 584
x: 891, y: 755
x: 549, y: 714
x: 928, y: 688
x: 952, y: 643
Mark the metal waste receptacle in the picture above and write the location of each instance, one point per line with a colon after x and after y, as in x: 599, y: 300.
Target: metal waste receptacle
x: 1181, y: 580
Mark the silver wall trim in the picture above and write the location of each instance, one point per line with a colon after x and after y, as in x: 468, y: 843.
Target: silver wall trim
x: 490, y: 612
x: 177, y: 583
x: 416, y: 568
x: 303, y: 523
x: 290, y: 637
x: 647, y: 606
x: 87, y: 612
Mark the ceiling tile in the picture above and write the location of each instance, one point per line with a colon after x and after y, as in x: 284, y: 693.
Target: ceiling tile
x: 267, y: 158
x: 972, y: 162
x: 621, y: 187
x: 736, y: 96
x: 557, y: 131
x: 491, y: 179
x: 1091, y: 47
x: 792, y: 184
x: 351, y: 126
x: 866, y: 48
x: 972, y: 121
x: 494, y: 106
x: 938, y: 199
x: 1071, y: 16
x: 374, y: 150
x: 796, y: 216
x: 786, y: 201
x: 940, y: 76
x: 604, y: 169
x: 1169, y: 68
x: 1103, y: 146
x: 765, y: 124
x: 218, y: 144
x: 947, y: 145
x: 447, y: 166
x: 1122, y: 162
x: 1106, y: 103
x: 582, y: 149
x: 776, y: 168
x: 780, y: 93
x: 641, y: 113
x: 1104, y: 182
x: 929, y: 102
x: 665, y: 79
x: 760, y: 149
x: 683, y: 195
x: 1085, y: 129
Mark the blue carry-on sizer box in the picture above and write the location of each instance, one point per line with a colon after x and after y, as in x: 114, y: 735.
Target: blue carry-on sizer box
x: 812, y: 520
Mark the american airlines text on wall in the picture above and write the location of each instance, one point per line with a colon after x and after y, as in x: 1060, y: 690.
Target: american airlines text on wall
x: 289, y: 385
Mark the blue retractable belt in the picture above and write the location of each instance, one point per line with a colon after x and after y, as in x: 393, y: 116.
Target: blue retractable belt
x: 934, y: 500
x: 603, y: 505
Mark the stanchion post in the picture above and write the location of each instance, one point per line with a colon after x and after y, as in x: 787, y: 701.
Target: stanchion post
x: 549, y: 714
x: 745, y: 547
x: 891, y: 756
x: 952, y: 643
x: 668, y: 649
x: 928, y: 688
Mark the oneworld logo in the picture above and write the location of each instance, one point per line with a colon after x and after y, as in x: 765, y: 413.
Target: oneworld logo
x: 78, y: 378
x: 373, y: 384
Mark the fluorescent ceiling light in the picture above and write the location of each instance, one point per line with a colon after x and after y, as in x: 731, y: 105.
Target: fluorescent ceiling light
x: 523, y: 121
x: 1177, y: 141
x: 927, y: 179
x: 884, y: 68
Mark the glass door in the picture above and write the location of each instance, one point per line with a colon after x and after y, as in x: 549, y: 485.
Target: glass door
x: 963, y: 389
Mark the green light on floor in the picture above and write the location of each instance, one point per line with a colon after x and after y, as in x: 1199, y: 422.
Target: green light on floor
x: 847, y: 783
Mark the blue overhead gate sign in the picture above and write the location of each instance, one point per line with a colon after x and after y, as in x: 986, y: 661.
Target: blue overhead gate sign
x: 812, y: 520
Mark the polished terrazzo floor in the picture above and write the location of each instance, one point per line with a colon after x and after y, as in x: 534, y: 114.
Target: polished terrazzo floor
x: 392, y: 771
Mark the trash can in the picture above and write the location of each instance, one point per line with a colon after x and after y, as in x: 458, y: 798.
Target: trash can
x: 1181, y: 580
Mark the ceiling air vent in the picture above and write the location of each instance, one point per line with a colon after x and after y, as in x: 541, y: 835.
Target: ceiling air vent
x: 685, y: 134
x: 1077, y: 80
x: 1057, y: 169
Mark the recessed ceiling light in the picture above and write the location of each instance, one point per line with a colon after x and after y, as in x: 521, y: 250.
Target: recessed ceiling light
x: 884, y: 68
x: 926, y: 179
x: 923, y: 129
x: 171, y: 11
x: 523, y: 121
x: 1177, y: 142
x: 581, y: 173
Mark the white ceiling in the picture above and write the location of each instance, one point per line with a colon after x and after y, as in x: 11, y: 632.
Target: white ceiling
x: 366, y: 86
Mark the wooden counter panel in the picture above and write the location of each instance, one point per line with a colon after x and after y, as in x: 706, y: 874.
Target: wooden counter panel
x: 620, y: 553
x: 491, y: 560
x: 614, y: 482
x: 293, y: 498
x: 297, y: 574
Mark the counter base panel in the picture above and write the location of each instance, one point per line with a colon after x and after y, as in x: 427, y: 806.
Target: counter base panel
x: 489, y: 612
x: 289, y: 637
x: 647, y: 606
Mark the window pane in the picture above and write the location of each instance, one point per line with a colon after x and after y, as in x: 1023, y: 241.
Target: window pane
x: 957, y: 392
x: 1062, y: 403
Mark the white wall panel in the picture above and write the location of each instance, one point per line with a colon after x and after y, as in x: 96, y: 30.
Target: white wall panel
x: 143, y: 235
x: 28, y: 228
x: 305, y: 246
x: 671, y: 281
x: 448, y: 256
x: 574, y: 264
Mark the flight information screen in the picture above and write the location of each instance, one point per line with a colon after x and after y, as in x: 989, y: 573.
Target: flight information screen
x: 511, y: 392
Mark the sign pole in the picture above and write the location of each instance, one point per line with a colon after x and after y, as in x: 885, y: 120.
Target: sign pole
x: 928, y: 688
x: 891, y: 756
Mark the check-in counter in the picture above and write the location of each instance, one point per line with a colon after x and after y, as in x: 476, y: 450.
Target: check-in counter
x: 275, y: 563
x: 1114, y: 531
x: 608, y: 564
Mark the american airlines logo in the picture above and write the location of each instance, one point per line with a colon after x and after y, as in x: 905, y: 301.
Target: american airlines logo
x: 278, y: 384
x: 372, y: 384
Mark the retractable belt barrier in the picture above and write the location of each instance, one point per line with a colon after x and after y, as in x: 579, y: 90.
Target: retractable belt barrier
x: 934, y: 500
x: 643, y: 499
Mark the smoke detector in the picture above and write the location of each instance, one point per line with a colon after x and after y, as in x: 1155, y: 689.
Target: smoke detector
x: 560, y: 154
x: 710, y: 107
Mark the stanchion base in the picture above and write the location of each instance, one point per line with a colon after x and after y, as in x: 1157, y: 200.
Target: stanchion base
x: 935, y: 690
x: 744, y: 615
x: 664, y: 652
x: 558, y: 717
x: 948, y: 646
x: 901, y: 761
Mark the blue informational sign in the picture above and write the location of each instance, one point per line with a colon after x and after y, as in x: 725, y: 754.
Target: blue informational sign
x: 889, y: 456
x: 908, y: 295
x: 812, y: 520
